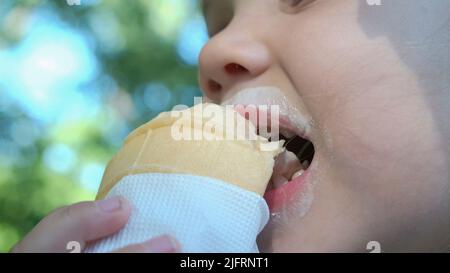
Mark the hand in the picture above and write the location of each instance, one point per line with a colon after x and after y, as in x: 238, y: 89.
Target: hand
x: 86, y: 222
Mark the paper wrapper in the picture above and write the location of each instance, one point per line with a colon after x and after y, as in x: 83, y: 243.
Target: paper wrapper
x: 204, y: 214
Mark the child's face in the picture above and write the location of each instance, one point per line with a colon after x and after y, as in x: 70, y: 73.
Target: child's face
x: 362, y: 75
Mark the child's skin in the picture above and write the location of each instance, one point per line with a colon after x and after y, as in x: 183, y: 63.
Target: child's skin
x: 375, y: 81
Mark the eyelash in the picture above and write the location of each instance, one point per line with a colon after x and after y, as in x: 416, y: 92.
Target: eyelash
x: 293, y: 3
x: 289, y: 4
x: 294, y: 6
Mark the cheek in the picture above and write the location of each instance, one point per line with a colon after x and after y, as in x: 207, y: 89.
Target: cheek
x: 384, y: 143
x: 389, y: 154
x: 369, y: 118
x: 377, y: 128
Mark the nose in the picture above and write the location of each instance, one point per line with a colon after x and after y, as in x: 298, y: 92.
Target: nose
x: 229, y: 58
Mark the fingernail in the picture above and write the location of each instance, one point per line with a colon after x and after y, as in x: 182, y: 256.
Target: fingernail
x: 110, y: 204
x: 162, y: 244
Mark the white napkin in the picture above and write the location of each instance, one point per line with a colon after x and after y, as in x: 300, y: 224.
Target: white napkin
x: 204, y: 214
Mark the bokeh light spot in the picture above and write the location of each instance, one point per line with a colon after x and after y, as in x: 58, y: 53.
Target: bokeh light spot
x: 157, y: 97
x: 91, y: 175
x: 60, y: 158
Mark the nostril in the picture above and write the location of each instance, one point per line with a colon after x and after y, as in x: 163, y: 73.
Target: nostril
x: 235, y: 68
x: 214, y: 86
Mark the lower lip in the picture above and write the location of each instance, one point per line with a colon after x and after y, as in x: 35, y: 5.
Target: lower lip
x: 279, y: 198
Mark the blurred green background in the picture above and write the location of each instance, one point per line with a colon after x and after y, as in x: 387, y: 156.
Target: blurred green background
x: 74, y: 81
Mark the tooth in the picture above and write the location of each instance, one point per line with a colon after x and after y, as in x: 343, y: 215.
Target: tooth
x: 305, y: 164
x: 297, y: 174
x: 279, y: 181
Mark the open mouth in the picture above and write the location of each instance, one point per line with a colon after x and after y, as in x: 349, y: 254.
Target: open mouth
x: 292, y: 177
x: 291, y: 168
x: 293, y: 162
x: 298, y: 152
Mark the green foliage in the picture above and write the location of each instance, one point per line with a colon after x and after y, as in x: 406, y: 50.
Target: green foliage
x: 144, y: 53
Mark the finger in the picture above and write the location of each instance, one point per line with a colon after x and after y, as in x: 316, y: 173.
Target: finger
x: 82, y: 222
x: 160, y: 244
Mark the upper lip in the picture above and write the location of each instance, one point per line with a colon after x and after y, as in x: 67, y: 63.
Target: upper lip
x: 290, y: 118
